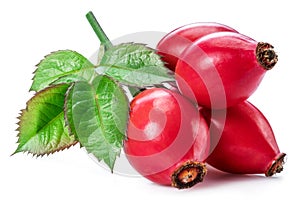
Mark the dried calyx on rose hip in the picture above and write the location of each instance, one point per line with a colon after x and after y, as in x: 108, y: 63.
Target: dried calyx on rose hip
x: 173, y: 44
x: 245, y: 144
x: 167, y: 140
x: 223, y: 69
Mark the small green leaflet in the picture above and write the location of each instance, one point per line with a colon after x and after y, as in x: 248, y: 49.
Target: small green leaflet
x: 41, y: 128
x: 134, y: 65
x: 62, y: 66
x: 97, y: 114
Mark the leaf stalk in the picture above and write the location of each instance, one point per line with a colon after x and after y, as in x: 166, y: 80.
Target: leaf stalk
x: 98, y: 30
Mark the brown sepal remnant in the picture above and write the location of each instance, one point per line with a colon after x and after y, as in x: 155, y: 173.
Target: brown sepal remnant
x: 188, y: 174
x: 276, y: 166
x: 266, y: 56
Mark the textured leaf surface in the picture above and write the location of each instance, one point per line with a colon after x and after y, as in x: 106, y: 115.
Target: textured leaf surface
x: 41, y: 128
x: 63, y: 66
x: 68, y: 111
x: 135, y: 65
x: 98, y: 115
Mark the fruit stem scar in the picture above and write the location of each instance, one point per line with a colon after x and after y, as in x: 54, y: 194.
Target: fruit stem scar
x: 188, y: 174
x: 277, y: 165
x: 266, y: 55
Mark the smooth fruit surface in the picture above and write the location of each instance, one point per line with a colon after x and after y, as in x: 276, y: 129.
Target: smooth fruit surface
x: 166, y: 135
x: 223, y: 69
x: 173, y: 44
x: 247, y: 144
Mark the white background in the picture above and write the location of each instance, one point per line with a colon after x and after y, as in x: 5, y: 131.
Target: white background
x: 31, y: 29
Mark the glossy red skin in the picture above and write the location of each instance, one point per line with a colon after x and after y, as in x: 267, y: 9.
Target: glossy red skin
x: 247, y: 144
x: 220, y: 70
x: 162, y: 134
x: 173, y: 44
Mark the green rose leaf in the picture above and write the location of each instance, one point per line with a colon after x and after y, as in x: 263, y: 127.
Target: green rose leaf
x: 41, y: 127
x: 97, y: 114
x: 62, y: 66
x: 134, y: 65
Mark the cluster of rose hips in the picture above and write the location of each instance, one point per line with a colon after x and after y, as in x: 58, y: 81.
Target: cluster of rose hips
x: 172, y: 133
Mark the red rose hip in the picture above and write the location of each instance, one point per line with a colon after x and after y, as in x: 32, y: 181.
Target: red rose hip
x: 167, y: 138
x: 223, y: 69
x: 247, y: 144
x: 173, y: 44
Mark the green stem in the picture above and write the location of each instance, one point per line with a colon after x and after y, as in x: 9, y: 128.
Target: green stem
x: 98, y: 30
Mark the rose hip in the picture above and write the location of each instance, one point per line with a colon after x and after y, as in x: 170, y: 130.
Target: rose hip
x: 172, y: 44
x: 245, y: 144
x: 222, y: 69
x: 167, y: 139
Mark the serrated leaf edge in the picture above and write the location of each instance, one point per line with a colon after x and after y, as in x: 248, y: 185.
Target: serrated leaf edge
x: 19, y: 126
x: 127, y: 120
x: 46, y: 56
x: 128, y: 105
